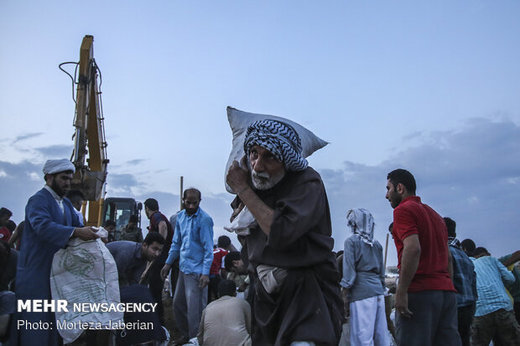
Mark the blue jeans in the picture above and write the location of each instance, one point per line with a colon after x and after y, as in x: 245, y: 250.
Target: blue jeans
x: 188, y: 302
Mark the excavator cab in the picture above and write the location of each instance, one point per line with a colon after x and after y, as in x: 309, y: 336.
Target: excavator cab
x: 119, y: 211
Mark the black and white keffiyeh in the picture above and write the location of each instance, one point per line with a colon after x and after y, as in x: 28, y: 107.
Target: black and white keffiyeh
x: 361, y: 223
x: 280, y: 139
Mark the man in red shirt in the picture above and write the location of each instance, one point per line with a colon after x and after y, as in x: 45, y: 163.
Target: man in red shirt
x: 425, y: 300
x: 222, y: 249
x: 5, y: 232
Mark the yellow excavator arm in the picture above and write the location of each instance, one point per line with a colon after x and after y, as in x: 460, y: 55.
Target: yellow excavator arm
x: 89, y: 155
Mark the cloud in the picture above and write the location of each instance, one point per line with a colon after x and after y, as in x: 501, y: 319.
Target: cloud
x: 135, y: 162
x: 122, y: 185
x: 470, y: 175
x: 53, y: 151
x: 27, y: 136
x: 17, y: 185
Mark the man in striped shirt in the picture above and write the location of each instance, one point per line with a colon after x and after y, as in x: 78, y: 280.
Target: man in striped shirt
x: 494, y: 317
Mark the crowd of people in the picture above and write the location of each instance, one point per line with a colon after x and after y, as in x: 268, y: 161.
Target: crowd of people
x: 285, y: 286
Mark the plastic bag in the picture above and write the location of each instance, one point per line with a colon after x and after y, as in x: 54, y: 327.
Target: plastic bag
x: 84, y: 272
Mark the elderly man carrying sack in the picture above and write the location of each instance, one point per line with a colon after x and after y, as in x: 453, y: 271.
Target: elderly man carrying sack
x: 295, y: 292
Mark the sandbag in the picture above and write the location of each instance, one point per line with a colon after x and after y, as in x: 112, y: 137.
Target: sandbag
x: 239, y: 121
x: 84, y: 272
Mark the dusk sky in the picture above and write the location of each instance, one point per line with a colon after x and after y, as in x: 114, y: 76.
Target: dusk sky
x: 433, y: 87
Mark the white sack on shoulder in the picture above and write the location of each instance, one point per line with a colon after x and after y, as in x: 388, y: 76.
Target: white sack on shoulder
x: 239, y: 121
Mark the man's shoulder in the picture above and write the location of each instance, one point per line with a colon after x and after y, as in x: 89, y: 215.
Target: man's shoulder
x: 307, y: 179
x: 229, y: 300
x: 308, y: 174
x: 410, y: 203
x: 414, y: 204
x: 40, y: 194
x: 121, y: 245
x: 203, y: 215
x: 459, y: 255
x: 158, y: 217
x: 483, y: 261
x: 353, y: 239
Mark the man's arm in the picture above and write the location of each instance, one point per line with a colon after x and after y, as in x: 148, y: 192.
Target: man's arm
x: 515, y: 257
x: 409, y: 262
x: 262, y: 213
x: 39, y: 215
x: 14, y: 236
x: 238, y: 179
x: 206, y: 237
x: 163, y: 229
x: 85, y: 233
x: 507, y: 276
x: 349, y: 267
x: 173, y: 254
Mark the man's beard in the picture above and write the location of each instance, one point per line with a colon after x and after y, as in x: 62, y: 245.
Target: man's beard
x: 264, y: 181
x: 60, y: 192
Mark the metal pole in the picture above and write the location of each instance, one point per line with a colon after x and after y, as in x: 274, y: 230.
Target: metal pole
x: 386, y: 250
x: 182, y: 191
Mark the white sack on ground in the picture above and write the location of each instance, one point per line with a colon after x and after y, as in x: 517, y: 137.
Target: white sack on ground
x: 239, y: 121
x: 85, y: 272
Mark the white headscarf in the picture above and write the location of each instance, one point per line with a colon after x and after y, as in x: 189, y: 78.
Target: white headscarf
x: 361, y: 223
x: 57, y: 166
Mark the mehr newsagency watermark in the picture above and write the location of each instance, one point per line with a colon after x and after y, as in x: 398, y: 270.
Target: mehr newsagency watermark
x: 43, y: 305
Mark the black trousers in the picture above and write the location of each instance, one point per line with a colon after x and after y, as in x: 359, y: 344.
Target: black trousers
x: 465, y: 317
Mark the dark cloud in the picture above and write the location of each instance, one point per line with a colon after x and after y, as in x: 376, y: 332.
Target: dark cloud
x: 54, y: 151
x: 17, y: 183
x: 472, y: 175
x: 135, y: 162
x: 27, y: 136
x: 121, y: 183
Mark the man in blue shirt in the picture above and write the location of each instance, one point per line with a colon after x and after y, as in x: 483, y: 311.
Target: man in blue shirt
x: 465, y: 282
x: 494, y: 317
x: 193, y: 243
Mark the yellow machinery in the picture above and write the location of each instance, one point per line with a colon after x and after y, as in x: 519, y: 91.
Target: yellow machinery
x: 89, y: 155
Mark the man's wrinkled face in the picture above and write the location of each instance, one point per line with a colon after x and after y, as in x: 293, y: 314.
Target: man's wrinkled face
x: 60, y: 183
x: 266, y: 169
x: 392, y: 195
x: 191, y: 202
x: 152, y: 251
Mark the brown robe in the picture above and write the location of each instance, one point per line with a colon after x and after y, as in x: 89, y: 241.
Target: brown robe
x: 308, y: 306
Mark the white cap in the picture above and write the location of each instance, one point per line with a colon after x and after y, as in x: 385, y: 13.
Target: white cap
x: 57, y: 166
